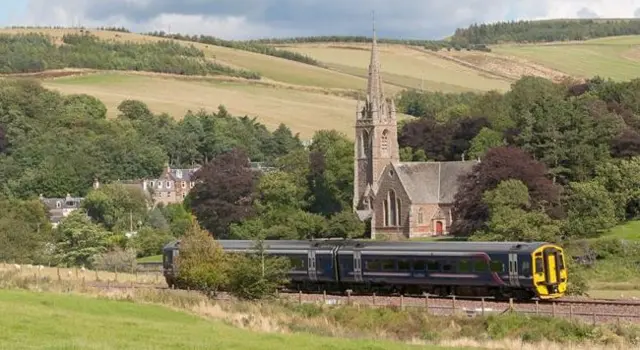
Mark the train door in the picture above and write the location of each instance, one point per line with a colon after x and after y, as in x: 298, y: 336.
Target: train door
x: 357, y: 265
x: 311, y: 266
x: 514, y: 278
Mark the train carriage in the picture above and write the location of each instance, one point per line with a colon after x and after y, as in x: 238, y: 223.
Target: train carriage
x: 522, y: 270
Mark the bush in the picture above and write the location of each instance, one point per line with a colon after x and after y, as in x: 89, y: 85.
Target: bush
x: 201, y: 264
x: 115, y: 260
x: 256, y: 276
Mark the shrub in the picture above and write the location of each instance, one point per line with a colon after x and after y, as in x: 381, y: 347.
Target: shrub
x: 256, y: 276
x: 202, y: 264
x: 115, y: 260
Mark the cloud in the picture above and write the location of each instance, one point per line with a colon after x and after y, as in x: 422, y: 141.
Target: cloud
x: 586, y: 13
x: 238, y: 19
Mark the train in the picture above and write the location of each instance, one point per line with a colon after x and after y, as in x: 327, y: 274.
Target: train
x: 518, y: 270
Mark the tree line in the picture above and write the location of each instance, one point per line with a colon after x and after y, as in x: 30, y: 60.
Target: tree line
x: 545, y: 31
x: 250, y: 46
x: 53, y: 144
x: 36, y: 52
x: 558, y: 156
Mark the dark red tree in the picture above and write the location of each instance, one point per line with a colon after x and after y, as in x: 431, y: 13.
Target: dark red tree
x: 224, y: 192
x: 501, y: 163
x: 626, y: 145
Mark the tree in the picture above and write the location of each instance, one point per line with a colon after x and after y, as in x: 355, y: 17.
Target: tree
x: 4, y: 142
x: 149, y: 241
x: 590, y: 209
x: 25, y: 232
x: 84, y: 106
x: 499, y: 164
x: 202, y: 264
x: 345, y: 225
x: 512, y: 217
x: 79, y: 239
x: 224, y: 192
x: 117, y: 207
x: 257, y: 275
x: 483, y: 141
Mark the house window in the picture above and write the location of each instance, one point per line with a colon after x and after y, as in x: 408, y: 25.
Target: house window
x: 168, y: 184
x: 384, y: 142
x: 159, y: 184
x: 184, y: 184
x: 58, y: 204
x: 420, y: 216
x: 192, y: 183
x: 151, y: 183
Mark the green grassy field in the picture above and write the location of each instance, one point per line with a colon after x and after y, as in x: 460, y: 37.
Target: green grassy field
x: 305, y: 96
x: 54, y: 321
x: 629, y: 230
x: 150, y: 259
x: 614, y: 57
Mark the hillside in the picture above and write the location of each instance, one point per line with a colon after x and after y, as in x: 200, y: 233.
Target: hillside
x: 309, y: 97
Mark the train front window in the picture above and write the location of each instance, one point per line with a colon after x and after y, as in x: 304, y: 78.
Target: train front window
x: 539, y: 265
x: 561, y: 261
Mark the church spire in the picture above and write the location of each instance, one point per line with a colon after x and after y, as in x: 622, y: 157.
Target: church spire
x: 374, y: 85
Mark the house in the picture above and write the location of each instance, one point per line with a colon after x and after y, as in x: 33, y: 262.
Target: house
x: 61, y: 207
x: 172, y: 186
x: 402, y: 199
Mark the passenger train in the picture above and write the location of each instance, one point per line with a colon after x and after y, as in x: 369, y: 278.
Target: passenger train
x: 519, y: 270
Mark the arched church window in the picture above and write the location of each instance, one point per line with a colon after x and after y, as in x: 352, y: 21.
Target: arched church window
x: 365, y: 144
x: 420, y: 216
x: 384, y: 142
x: 391, y: 205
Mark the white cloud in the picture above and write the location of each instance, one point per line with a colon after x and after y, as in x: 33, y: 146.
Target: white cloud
x: 239, y: 19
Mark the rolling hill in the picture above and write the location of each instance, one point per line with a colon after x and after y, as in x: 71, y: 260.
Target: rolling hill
x: 308, y: 97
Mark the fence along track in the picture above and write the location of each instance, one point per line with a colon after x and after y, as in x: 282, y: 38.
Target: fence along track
x: 594, y: 311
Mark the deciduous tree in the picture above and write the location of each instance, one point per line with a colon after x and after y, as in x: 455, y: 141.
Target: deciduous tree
x: 224, y: 192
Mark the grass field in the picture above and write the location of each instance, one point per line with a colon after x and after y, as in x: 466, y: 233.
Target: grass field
x: 308, y: 98
x: 53, y: 321
x: 304, y: 112
x: 614, y: 57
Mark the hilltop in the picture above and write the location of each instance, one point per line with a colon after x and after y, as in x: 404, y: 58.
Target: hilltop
x: 312, y: 83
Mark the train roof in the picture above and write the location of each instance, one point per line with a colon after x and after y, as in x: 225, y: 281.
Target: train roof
x: 364, y: 245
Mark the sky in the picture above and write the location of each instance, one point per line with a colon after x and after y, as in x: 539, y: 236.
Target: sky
x: 250, y: 19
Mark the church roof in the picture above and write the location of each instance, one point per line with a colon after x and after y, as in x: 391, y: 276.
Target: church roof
x: 432, y: 182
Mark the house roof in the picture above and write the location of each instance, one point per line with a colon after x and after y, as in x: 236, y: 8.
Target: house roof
x: 65, y: 203
x: 432, y: 182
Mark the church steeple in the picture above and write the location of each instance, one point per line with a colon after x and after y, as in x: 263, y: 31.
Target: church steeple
x: 375, y: 93
x: 376, y: 134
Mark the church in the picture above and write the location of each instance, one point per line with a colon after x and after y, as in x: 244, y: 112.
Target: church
x: 402, y: 199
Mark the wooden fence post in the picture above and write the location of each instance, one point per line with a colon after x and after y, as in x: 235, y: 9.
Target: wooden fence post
x: 324, y: 297
x: 349, y: 296
x: 553, y: 309
x: 58, y: 270
x: 571, y: 312
x: 510, y: 304
x: 453, y: 303
x: 482, y: 300
x: 299, y: 297
x: 426, y: 302
x: 537, y: 308
x: 373, y: 299
x: 401, y: 302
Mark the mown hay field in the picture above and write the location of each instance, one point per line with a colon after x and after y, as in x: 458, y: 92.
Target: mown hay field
x: 614, y: 57
x: 304, y: 112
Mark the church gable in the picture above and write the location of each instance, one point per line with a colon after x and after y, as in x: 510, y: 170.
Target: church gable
x: 391, y: 202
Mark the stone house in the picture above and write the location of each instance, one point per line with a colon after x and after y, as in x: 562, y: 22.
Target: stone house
x: 172, y: 186
x: 402, y: 199
x: 60, y: 207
